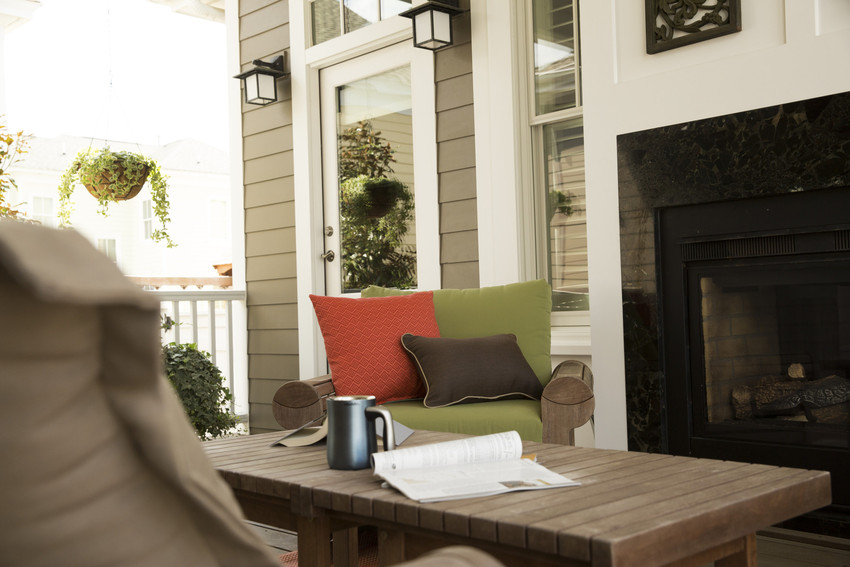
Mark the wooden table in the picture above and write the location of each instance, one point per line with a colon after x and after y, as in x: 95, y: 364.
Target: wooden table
x: 632, y: 509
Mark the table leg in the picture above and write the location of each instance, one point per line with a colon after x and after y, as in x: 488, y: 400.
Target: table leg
x: 345, y: 547
x: 390, y: 547
x: 747, y: 557
x: 314, y: 537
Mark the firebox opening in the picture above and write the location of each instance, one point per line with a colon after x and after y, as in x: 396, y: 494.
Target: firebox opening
x: 773, y: 351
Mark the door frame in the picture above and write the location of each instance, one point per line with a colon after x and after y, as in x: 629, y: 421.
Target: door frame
x: 307, y: 156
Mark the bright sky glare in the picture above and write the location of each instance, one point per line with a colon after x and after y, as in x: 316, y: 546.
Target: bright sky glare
x: 122, y: 70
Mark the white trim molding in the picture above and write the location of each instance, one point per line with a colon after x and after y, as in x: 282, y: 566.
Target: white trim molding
x: 499, y: 151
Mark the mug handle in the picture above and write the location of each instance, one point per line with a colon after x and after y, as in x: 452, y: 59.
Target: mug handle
x: 373, y: 413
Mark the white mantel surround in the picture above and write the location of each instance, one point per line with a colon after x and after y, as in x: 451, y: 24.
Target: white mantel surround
x: 788, y: 50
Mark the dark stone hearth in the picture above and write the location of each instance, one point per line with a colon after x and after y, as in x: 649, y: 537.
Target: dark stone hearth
x: 793, y: 147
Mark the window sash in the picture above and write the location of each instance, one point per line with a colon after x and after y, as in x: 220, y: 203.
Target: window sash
x: 147, y: 218
x: 556, y: 59
x: 556, y: 126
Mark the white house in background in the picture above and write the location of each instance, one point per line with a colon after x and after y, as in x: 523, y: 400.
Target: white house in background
x: 199, y: 193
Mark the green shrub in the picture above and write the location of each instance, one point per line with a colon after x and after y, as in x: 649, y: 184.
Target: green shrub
x: 200, y: 387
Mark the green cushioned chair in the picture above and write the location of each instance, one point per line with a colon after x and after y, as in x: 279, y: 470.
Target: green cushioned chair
x: 522, y: 309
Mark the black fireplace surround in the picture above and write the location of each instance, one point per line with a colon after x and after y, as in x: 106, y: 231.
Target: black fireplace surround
x: 750, y: 209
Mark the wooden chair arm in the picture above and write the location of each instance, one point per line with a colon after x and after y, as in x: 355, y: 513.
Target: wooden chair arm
x: 301, y: 401
x: 567, y: 402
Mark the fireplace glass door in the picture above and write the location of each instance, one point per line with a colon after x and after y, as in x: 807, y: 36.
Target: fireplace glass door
x: 770, y: 346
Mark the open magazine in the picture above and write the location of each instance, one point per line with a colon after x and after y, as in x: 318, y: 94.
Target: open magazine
x: 465, y: 468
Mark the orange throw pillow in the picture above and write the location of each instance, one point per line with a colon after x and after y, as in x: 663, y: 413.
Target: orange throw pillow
x: 363, y: 343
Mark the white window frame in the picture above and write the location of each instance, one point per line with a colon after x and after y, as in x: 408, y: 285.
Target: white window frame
x: 306, y: 62
x: 45, y: 218
x: 502, y: 60
x: 147, y: 219
x: 104, y: 239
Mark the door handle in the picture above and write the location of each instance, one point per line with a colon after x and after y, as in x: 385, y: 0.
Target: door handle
x: 328, y: 256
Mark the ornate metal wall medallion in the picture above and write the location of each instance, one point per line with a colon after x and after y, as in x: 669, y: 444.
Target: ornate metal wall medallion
x: 674, y: 23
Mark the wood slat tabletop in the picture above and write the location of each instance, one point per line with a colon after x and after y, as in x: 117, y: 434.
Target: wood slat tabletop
x: 631, y: 509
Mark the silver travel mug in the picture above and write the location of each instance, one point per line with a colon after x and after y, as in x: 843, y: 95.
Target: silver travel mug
x: 351, y: 431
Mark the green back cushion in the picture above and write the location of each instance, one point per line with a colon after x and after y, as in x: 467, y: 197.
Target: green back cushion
x: 522, y: 416
x: 523, y: 309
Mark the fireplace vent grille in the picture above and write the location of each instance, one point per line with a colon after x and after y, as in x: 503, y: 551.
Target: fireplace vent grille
x: 842, y: 239
x: 748, y: 247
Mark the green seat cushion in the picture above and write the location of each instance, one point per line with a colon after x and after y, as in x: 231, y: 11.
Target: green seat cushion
x: 522, y: 416
x: 523, y: 309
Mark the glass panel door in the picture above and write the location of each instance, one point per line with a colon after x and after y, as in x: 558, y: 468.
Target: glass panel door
x: 370, y: 233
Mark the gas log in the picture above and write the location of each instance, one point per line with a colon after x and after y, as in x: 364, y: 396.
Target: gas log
x: 826, y: 400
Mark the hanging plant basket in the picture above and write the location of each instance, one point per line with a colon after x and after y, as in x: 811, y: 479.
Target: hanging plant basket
x: 116, y: 184
x: 383, y: 195
x: 370, y: 197
x: 112, y: 177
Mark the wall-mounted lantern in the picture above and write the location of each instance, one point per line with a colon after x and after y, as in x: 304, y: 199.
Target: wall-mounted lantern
x: 260, y: 83
x: 432, y: 23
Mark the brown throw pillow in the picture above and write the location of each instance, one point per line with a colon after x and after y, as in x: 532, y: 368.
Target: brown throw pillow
x: 457, y: 371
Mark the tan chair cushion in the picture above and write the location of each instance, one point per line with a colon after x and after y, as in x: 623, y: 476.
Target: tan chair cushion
x: 100, y: 465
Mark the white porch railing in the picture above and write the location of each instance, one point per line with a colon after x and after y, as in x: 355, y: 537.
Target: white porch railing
x: 207, y: 318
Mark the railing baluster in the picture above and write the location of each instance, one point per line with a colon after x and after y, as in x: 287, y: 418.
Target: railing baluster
x: 211, y: 309
x: 230, y: 364
x: 175, y: 307
x: 194, y: 304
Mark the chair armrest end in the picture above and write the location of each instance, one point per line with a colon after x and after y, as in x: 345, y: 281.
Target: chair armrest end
x: 301, y: 401
x: 567, y: 402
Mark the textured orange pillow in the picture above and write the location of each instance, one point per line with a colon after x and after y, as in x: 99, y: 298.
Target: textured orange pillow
x: 363, y: 343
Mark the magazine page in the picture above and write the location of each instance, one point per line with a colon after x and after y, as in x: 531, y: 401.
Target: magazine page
x: 485, y: 448
x: 472, y: 480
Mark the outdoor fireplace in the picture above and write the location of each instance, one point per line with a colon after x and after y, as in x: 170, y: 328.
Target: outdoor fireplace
x: 755, y: 319
x: 735, y: 255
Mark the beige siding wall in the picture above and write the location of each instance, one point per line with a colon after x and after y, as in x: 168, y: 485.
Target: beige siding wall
x: 456, y: 160
x: 269, y: 217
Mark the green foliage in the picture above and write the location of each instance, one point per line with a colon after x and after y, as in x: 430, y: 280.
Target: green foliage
x: 560, y: 202
x: 362, y: 151
x: 373, y: 249
x: 13, y: 145
x: 199, y: 385
x: 375, y: 212
x: 116, y: 173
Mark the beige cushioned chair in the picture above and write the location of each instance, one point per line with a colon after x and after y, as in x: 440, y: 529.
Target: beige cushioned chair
x: 100, y: 466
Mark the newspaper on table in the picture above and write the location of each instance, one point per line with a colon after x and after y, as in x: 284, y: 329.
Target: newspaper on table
x: 465, y: 468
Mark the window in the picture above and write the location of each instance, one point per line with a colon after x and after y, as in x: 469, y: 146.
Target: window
x: 558, y: 133
x: 108, y: 247
x: 42, y: 211
x: 147, y: 218
x: 332, y: 18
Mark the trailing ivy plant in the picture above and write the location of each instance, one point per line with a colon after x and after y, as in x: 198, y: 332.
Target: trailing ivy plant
x: 110, y: 177
x: 199, y: 385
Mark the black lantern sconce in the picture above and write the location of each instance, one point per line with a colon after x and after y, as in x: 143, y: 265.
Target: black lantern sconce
x: 432, y: 23
x: 260, y: 83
